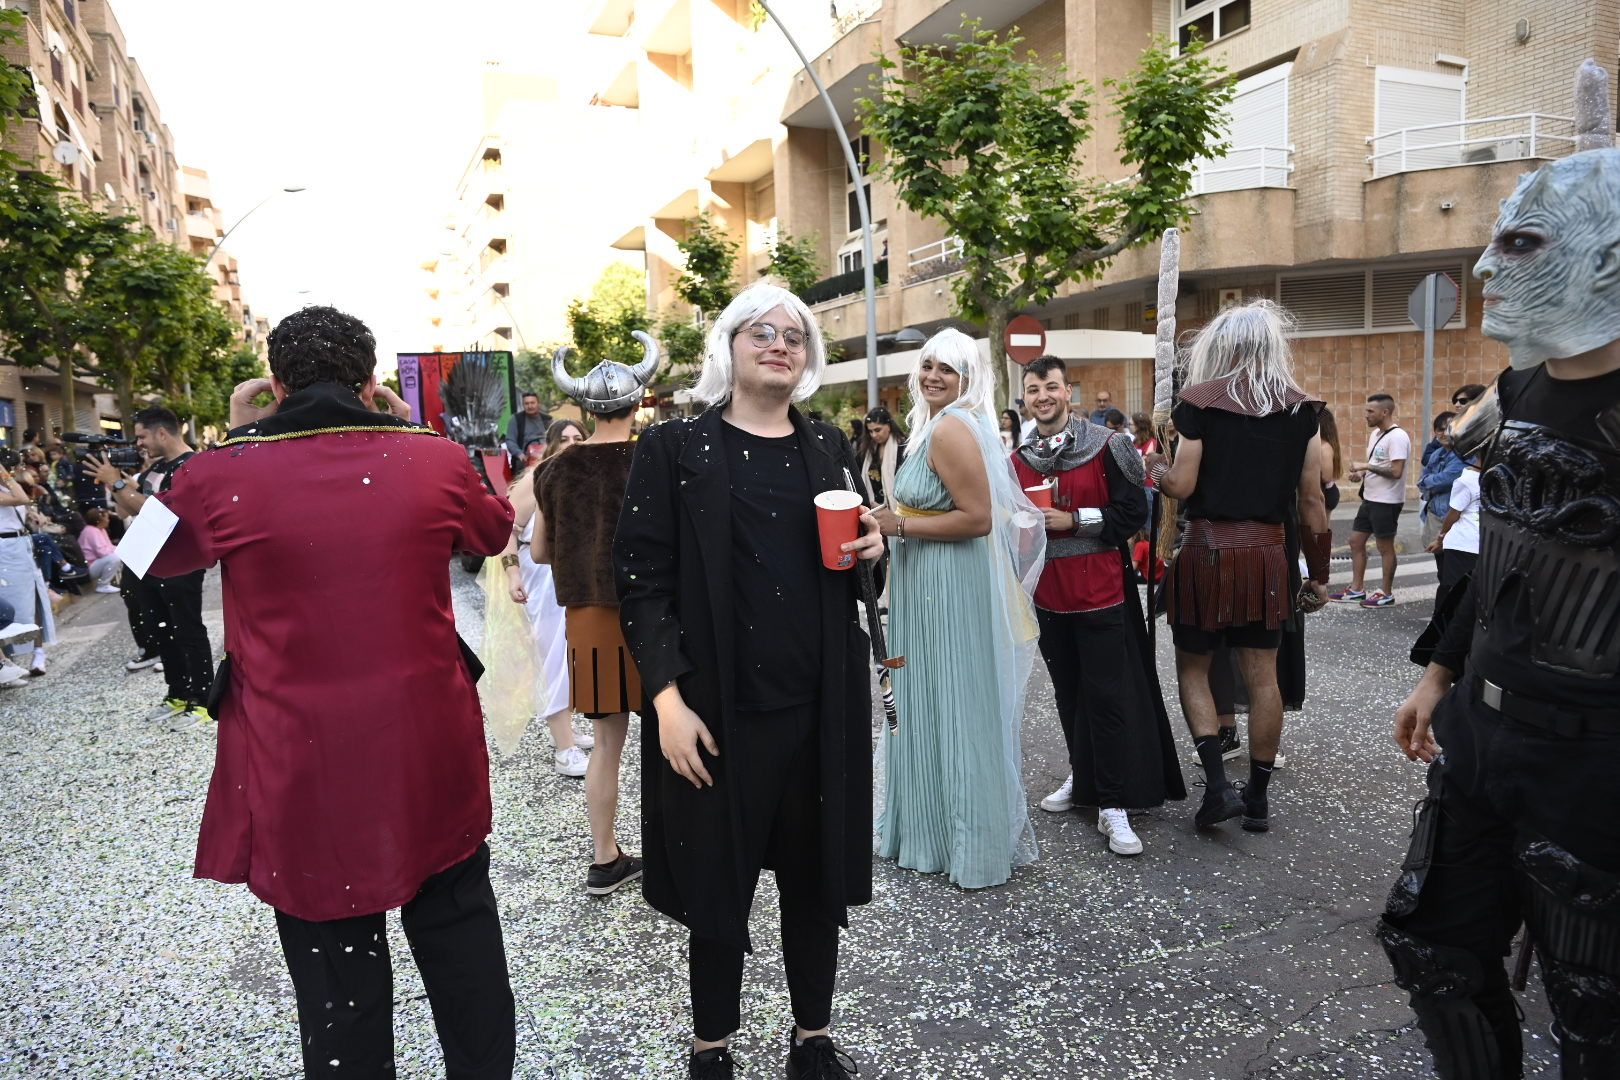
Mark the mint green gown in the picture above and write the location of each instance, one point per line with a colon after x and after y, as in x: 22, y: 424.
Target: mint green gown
x: 951, y: 800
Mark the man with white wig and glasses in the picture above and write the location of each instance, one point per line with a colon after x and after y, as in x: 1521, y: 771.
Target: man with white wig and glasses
x: 1246, y: 469
x: 756, y: 734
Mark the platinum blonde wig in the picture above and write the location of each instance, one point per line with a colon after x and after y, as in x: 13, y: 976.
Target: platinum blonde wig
x: 961, y: 354
x: 714, y: 383
x: 1248, y: 344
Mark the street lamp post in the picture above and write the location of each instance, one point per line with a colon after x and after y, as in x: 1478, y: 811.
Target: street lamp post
x: 860, y: 202
x: 210, y: 261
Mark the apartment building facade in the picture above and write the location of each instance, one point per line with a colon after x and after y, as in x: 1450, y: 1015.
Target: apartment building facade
x: 514, y: 250
x: 1371, y: 141
x: 97, y: 128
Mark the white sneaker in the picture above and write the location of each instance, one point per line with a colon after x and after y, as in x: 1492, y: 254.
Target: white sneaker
x: 1281, y: 760
x: 1062, y: 799
x: 106, y: 588
x: 571, y: 762
x: 12, y: 676
x: 1122, y: 839
x: 584, y: 739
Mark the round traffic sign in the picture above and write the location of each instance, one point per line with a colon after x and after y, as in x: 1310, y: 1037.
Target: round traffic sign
x: 1025, y: 338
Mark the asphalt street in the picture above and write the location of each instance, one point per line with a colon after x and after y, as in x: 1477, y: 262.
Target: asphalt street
x: 1212, y: 955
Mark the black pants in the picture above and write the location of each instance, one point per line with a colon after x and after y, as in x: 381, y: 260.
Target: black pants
x: 1088, y: 659
x: 773, y: 760
x: 1454, y: 566
x: 344, y: 981
x: 131, y: 590
x: 1501, y: 789
x: 172, y: 608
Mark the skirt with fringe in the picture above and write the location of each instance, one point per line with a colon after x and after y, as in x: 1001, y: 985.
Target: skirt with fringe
x: 1230, y: 574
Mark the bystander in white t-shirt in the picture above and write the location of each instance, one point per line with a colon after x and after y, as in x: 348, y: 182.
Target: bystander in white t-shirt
x: 1464, y: 533
x: 1384, y: 447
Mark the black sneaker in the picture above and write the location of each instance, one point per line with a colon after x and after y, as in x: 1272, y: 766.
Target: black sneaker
x: 818, y: 1059
x: 1220, y: 804
x: 713, y: 1064
x: 609, y: 877
x: 1231, y: 745
x: 1255, y: 813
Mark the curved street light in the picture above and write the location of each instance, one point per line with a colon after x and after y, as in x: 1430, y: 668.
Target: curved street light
x: 861, y: 203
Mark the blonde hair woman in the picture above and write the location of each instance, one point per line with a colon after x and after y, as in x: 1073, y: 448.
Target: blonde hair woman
x: 968, y: 554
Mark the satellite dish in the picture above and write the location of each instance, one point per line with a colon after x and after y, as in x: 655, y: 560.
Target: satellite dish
x: 111, y: 194
x: 65, y: 153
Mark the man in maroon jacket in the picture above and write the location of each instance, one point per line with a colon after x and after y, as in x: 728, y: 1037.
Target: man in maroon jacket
x: 351, y: 775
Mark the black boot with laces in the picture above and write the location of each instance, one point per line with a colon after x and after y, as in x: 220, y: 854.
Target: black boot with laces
x: 817, y: 1058
x: 715, y: 1063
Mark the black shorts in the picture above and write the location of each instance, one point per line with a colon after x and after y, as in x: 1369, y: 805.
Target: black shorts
x: 1377, y: 518
x: 1194, y: 639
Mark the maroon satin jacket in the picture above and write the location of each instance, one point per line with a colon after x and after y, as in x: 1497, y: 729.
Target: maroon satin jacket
x: 351, y: 762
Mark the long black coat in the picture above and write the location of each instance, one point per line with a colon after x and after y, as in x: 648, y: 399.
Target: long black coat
x: 672, y: 560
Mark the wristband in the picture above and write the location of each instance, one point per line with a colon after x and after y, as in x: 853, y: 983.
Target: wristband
x: 900, y: 527
x: 1160, y: 471
x: 509, y: 561
x: 1317, y: 549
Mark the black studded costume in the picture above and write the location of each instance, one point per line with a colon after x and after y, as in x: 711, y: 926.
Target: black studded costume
x: 1520, y: 823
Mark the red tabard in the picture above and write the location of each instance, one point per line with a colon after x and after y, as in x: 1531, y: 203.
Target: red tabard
x: 1072, y: 583
x: 351, y: 762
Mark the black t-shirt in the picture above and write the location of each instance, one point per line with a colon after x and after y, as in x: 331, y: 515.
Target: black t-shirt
x: 1249, y: 470
x: 1502, y: 653
x: 161, y: 475
x: 775, y: 561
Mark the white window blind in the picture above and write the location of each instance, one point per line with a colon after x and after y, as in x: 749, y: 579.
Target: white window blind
x: 1257, y: 132
x: 1416, y: 124
x: 1327, y: 302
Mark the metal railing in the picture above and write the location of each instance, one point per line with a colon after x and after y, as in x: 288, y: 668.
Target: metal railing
x: 1245, y: 167
x: 1469, y: 142
x: 940, y: 251
x: 844, y: 284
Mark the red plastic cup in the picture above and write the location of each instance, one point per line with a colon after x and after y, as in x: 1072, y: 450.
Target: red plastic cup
x: 1040, y: 495
x: 838, y: 519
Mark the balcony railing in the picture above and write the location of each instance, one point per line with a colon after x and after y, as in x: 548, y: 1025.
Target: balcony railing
x: 1469, y: 142
x: 933, y: 259
x: 1245, y: 167
x: 845, y: 284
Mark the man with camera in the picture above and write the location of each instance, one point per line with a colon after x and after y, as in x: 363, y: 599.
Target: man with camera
x: 171, y: 608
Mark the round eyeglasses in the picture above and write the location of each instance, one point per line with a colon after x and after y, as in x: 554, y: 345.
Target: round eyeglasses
x: 764, y: 335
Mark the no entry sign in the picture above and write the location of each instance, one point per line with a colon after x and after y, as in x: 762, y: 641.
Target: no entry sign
x: 1025, y: 338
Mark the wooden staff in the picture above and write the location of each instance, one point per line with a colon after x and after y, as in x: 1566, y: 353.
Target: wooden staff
x: 1162, y: 525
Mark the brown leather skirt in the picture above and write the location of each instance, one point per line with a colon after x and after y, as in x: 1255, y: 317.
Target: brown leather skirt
x: 602, y: 675
x: 1229, y: 574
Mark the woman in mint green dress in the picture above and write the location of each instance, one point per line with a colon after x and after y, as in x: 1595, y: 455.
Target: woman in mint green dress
x: 968, y: 552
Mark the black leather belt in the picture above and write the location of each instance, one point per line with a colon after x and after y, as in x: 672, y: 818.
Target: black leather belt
x: 1561, y: 720
x: 9, y: 535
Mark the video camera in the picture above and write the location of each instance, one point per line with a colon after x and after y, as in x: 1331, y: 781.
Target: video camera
x: 121, y: 453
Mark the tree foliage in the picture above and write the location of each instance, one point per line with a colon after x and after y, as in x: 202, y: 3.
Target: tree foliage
x: 794, y: 259
x: 532, y: 370
x: 706, y: 282
x: 683, y: 346
x: 983, y: 139
x: 16, y: 85
x: 602, y: 324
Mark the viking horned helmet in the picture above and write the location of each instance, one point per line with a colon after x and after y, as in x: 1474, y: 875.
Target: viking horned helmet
x: 610, y: 385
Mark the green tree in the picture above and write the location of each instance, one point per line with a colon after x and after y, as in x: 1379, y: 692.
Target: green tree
x: 148, y: 314
x: 50, y: 242
x: 711, y: 263
x: 602, y: 324
x: 17, y: 98
x: 211, y: 385
x: 532, y: 370
x: 683, y: 346
x: 794, y: 260
x: 981, y: 138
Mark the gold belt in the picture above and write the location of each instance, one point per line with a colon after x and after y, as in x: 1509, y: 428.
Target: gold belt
x: 911, y: 511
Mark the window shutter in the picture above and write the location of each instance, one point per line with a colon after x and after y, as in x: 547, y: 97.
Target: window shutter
x: 1392, y: 289
x: 1257, y: 130
x: 1328, y: 303
x: 1409, y: 99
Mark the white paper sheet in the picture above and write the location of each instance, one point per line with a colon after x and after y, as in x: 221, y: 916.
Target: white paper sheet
x: 146, y: 536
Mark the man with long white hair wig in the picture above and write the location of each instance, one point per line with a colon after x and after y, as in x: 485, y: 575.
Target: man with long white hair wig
x: 757, y: 729
x: 969, y: 552
x: 1247, y: 463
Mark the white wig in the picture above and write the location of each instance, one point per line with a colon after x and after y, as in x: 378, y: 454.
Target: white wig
x: 961, y: 354
x: 714, y: 383
x: 1248, y: 344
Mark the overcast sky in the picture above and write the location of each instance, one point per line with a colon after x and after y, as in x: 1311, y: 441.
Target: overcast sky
x: 372, y: 106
